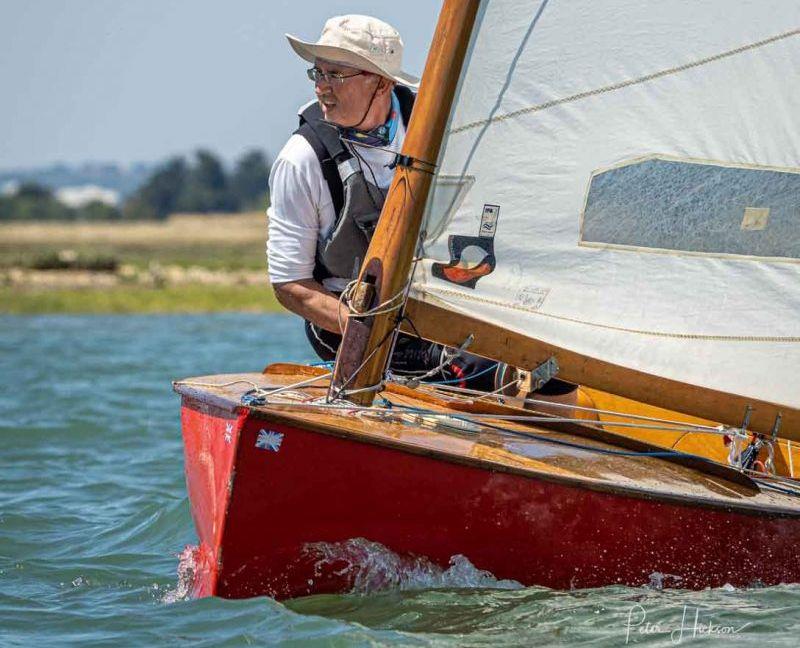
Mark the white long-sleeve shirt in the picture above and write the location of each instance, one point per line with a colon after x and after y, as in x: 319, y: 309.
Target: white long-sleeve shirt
x: 301, y: 208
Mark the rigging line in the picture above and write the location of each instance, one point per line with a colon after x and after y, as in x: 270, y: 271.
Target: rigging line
x: 395, y: 152
x: 350, y: 142
x: 625, y: 84
x: 780, y: 479
x: 609, y: 327
x: 391, y: 333
x: 761, y: 483
x: 350, y: 392
x: 266, y: 392
x: 499, y: 391
x: 679, y: 439
x: 478, y: 418
x: 361, y: 164
x: 384, y: 307
x: 640, y: 417
x: 196, y: 383
x: 341, y: 389
x: 465, y: 378
x: 570, y: 444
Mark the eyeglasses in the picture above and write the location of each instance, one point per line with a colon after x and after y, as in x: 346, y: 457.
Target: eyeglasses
x: 316, y: 75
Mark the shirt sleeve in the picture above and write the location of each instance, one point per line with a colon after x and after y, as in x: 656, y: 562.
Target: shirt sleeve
x: 294, y: 222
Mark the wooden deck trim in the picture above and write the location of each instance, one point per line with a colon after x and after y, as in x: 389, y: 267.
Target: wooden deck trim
x: 330, y: 424
x: 473, y: 406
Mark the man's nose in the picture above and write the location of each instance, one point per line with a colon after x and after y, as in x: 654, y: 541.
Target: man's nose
x: 322, y: 83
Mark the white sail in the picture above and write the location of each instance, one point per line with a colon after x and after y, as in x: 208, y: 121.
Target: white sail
x: 622, y: 179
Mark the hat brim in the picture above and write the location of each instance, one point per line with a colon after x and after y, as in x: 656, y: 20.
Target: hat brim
x: 311, y: 52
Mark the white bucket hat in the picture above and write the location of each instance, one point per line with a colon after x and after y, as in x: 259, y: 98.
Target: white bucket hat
x: 362, y: 42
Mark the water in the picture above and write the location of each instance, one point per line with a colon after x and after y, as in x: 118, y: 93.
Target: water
x: 94, y: 517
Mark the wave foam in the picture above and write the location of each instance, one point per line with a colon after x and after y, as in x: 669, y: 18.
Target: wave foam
x: 374, y: 567
x: 187, y: 568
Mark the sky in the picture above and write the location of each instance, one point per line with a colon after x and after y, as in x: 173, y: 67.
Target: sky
x: 138, y: 80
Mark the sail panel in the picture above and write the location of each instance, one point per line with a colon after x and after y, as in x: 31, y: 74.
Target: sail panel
x: 686, y: 268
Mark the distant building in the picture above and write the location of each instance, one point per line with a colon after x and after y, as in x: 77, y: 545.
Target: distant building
x: 76, y: 197
x: 9, y: 188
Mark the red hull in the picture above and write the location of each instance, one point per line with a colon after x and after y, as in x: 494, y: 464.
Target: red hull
x: 256, y: 509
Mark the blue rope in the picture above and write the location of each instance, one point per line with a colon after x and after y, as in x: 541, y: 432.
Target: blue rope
x: 787, y: 491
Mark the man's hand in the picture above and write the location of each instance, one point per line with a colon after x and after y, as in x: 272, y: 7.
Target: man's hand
x: 309, y: 299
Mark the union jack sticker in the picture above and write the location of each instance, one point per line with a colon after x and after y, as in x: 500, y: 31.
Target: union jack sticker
x: 269, y: 440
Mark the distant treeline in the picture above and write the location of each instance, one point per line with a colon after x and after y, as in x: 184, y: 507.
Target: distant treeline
x: 201, y: 185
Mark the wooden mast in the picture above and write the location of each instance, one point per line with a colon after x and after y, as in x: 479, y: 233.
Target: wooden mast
x: 365, y: 348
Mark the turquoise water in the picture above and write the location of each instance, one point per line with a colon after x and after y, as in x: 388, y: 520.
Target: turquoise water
x: 94, y: 517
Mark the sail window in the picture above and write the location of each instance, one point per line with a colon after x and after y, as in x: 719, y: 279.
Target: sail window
x: 447, y: 194
x: 695, y: 207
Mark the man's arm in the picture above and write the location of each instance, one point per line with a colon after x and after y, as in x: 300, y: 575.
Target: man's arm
x: 298, y: 195
x: 311, y: 301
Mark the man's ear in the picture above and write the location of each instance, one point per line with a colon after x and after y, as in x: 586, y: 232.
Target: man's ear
x: 385, y: 85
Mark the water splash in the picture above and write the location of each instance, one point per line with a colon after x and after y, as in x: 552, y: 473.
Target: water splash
x: 658, y: 580
x: 374, y: 567
x: 187, y: 568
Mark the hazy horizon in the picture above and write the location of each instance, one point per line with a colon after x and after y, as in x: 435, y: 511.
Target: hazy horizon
x: 101, y: 82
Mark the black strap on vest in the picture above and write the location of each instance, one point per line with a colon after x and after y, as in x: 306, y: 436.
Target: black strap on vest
x: 328, y: 147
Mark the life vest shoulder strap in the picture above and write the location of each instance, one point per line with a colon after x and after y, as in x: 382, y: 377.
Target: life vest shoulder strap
x: 328, y: 147
x: 406, y: 97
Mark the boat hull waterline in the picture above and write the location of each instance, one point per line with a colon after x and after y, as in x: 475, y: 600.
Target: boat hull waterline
x: 264, y: 493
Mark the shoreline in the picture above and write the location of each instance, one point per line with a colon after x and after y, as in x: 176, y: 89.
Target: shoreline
x: 188, y: 263
x: 190, y: 298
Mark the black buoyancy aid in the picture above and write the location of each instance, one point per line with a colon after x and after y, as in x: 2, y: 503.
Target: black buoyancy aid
x: 357, y: 202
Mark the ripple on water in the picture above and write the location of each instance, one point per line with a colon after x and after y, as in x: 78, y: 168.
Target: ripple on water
x: 93, y: 515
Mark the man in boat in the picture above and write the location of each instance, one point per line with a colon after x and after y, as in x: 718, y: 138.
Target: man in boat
x: 329, y: 182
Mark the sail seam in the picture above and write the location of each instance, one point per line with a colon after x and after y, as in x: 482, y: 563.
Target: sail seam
x: 682, y: 336
x: 627, y: 83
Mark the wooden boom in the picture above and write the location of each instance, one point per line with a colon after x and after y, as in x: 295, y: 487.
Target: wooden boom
x: 492, y: 341
x: 367, y: 340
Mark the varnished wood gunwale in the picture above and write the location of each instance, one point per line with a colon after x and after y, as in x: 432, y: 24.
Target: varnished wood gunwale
x: 435, y: 323
x: 332, y: 423
x: 428, y: 395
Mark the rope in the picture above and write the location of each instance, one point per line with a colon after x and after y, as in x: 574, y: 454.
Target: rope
x: 197, y: 383
x: 383, y: 307
x: 624, y: 84
x: 669, y: 425
x: 463, y: 378
x: 501, y: 389
x: 561, y: 442
x: 260, y: 395
x: 391, y: 334
x: 348, y: 392
x: 482, y: 417
x: 341, y: 390
x: 263, y: 393
x: 693, y: 427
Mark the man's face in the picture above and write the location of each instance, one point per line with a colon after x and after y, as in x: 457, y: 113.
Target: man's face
x: 345, y: 103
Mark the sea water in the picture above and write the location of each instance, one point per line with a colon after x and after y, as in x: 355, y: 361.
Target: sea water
x: 94, y: 520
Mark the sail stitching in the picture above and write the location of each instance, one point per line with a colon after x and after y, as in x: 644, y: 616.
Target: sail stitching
x: 622, y: 329
x: 625, y: 84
